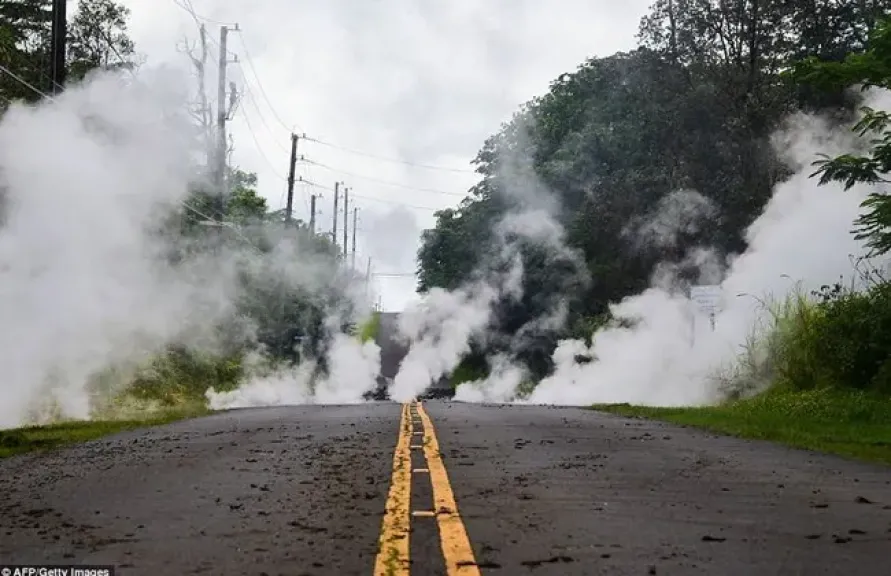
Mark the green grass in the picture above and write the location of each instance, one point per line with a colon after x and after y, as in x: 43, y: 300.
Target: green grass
x: 20, y: 440
x: 849, y: 423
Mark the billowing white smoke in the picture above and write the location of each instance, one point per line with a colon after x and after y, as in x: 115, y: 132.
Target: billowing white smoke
x: 84, y: 179
x: 86, y: 184
x: 671, y: 357
x: 501, y: 385
x: 353, y: 369
x: 441, y: 328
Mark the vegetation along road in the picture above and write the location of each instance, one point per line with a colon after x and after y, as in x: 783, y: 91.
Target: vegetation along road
x: 442, y: 488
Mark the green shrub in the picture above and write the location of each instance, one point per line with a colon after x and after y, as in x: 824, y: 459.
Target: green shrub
x: 842, y: 339
x: 180, y: 377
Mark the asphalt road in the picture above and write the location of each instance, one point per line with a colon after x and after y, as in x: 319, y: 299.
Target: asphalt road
x: 303, y: 490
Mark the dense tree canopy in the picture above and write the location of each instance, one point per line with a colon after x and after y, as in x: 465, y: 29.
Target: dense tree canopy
x: 692, y: 108
x: 97, y: 38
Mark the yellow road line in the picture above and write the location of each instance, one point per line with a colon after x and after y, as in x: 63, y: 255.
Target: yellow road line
x: 392, y: 555
x: 452, y: 534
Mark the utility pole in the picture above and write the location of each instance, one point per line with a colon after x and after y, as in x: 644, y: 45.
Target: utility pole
x: 355, y: 218
x: 346, y: 216
x: 222, y: 118
x: 334, y: 227
x: 59, y: 34
x: 289, y: 209
x: 368, y: 280
x: 312, y: 214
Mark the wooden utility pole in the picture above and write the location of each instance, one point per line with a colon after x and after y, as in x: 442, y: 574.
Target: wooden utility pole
x: 312, y: 214
x: 222, y: 117
x: 334, y: 226
x: 355, y: 219
x: 289, y: 208
x: 368, y: 280
x: 58, y: 48
x: 346, y: 216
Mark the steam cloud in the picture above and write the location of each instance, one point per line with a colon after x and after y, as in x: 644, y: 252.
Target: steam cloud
x: 669, y: 355
x: 87, y: 182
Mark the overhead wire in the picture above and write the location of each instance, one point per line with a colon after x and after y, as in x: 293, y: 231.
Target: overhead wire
x: 247, y: 56
x: 250, y: 63
x: 378, y: 180
x: 372, y: 198
x: 387, y: 159
x: 253, y: 134
x: 190, y: 8
x: 25, y: 83
x: 250, y: 95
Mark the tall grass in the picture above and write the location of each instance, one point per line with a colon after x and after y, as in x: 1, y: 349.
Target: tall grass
x: 837, y: 337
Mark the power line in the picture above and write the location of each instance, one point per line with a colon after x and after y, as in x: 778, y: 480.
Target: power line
x: 253, y: 134
x: 250, y: 97
x: 386, y: 159
x: 25, y: 83
x: 372, y: 198
x: 378, y: 181
x: 188, y: 7
x: 250, y: 63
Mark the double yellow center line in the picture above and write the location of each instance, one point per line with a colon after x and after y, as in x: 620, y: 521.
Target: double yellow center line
x: 416, y: 432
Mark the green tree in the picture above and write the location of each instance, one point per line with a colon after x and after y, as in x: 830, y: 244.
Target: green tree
x: 868, y: 69
x: 97, y: 38
x: 244, y: 205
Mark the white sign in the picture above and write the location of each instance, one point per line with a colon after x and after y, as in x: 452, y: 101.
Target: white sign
x: 707, y: 298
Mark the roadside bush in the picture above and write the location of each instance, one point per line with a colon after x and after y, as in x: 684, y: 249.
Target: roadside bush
x: 841, y: 339
x: 181, y: 377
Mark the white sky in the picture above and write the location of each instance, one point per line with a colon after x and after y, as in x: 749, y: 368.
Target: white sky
x: 424, y: 82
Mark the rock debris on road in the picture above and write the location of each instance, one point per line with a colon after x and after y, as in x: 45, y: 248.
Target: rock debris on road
x: 540, y: 490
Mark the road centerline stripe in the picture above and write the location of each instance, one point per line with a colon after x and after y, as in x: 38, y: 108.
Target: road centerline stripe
x: 456, y: 547
x: 393, y: 546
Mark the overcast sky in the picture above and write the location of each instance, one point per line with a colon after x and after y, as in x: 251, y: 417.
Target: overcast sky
x: 420, y: 82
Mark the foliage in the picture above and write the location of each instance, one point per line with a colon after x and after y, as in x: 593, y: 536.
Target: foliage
x: 846, y: 342
x: 850, y: 423
x: 692, y: 108
x: 871, y: 68
x: 179, y: 377
x: 97, y: 38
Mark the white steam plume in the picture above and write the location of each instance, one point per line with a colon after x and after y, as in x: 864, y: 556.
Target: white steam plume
x: 440, y: 329
x: 84, y: 180
x: 87, y: 181
x: 505, y: 377
x: 680, y: 212
x: 670, y: 357
x: 353, y: 370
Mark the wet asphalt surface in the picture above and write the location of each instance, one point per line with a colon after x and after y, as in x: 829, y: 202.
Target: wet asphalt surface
x: 302, y: 490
